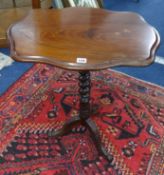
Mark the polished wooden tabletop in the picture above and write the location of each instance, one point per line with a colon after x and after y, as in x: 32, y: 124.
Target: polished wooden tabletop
x: 83, y: 38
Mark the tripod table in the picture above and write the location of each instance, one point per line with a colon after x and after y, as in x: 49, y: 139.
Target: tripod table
x: 84, y: 40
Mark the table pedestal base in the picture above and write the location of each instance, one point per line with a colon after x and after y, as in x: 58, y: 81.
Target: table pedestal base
x: 84, y: 115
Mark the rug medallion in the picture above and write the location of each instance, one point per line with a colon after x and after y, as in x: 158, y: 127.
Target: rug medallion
x: 129, y: 114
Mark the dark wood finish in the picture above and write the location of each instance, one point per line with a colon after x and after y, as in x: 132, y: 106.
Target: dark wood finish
x: 36, y: 4
x: 97, y: 139
x: 84, y: 115
x: 66, y: 129
x: 14, y: 3
x: 100, y: 38
x: 104, y: 38
x: 85, y: 112
x: 84, y: 91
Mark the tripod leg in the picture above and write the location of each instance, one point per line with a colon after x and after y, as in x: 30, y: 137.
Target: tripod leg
x: 66, y: 128
x: 96, y: 138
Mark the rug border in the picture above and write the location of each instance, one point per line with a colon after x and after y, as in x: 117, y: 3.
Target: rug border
x: 153, y: 85
x: 138, y: 79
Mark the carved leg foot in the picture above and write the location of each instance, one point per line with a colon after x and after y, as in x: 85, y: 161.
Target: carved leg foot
x: 66, y: 128
x: 96, y: 138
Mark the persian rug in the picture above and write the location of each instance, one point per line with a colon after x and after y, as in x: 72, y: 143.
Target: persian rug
x: 130, y: 119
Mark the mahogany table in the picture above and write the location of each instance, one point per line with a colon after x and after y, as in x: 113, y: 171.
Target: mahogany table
x: 84, y: 40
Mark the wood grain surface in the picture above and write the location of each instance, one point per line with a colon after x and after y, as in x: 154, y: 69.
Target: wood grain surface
x: 7, y: 17
x: 100, y: 37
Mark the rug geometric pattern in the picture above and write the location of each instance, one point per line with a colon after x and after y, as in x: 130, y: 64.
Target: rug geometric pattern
x: 129, y: 115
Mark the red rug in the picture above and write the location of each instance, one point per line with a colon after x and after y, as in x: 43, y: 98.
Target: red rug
x: 130, y: 121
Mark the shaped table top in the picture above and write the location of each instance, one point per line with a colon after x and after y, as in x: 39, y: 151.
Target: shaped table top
x: 83, y: 38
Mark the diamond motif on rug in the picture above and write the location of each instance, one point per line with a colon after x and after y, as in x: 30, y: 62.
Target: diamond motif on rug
x: 129, y: 115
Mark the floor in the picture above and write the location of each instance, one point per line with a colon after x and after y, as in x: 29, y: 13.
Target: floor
x: 151, y: 10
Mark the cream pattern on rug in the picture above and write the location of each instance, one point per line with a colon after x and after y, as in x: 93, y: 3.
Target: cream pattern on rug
x: 5, y: 61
